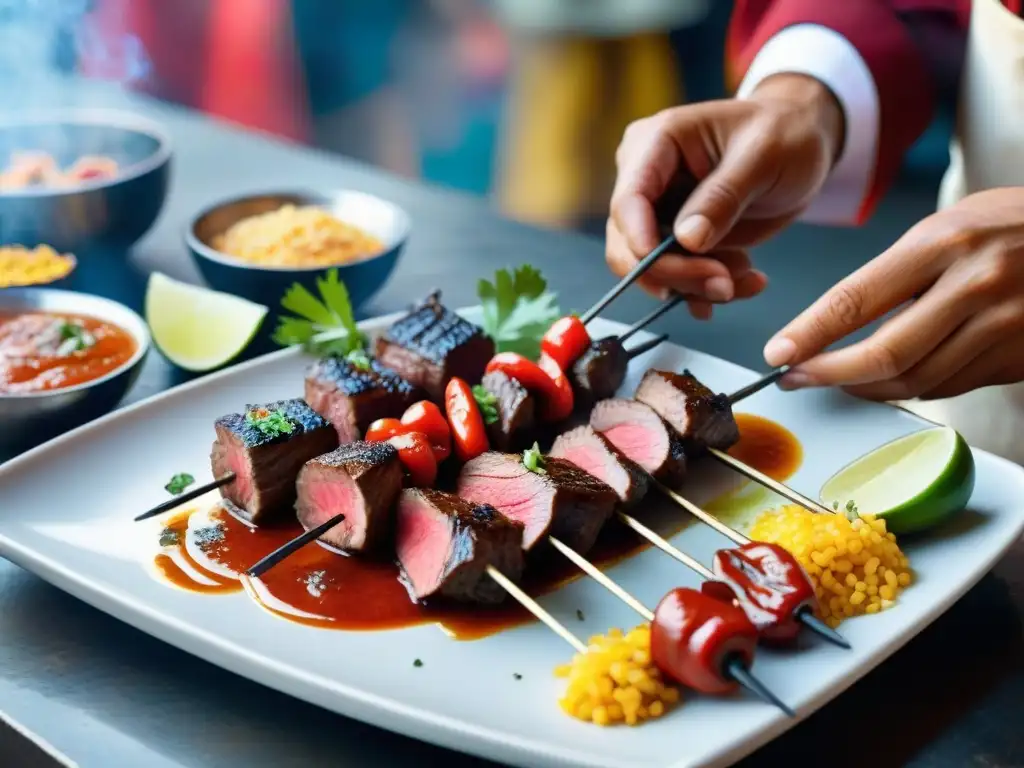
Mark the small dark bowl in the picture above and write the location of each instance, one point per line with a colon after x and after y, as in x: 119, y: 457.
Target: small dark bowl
x: 31, y: 418
x: 104, y: 214
x: 266, y: 284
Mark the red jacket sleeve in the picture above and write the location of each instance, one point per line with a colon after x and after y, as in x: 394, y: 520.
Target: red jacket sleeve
x: 884, y: 33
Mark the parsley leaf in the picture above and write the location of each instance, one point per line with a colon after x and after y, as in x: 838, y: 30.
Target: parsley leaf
x: 270, y: 423
x: 73, y: 338
x: 359, y: 359
x: 517, y: 309
x: 487, y: 402
x: 324, y: 325
x: 533, y: 460
x: 179, y: 483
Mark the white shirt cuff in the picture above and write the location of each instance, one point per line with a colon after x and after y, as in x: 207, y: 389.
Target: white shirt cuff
x: 824, y: 54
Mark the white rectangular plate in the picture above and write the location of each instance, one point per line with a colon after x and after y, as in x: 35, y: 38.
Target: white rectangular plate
x: 66, y: 510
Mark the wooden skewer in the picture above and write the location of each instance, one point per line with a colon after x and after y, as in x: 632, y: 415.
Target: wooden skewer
x: 184, y: 498
x: 783, y: 490
x: 535, y: 608
x: 646, y: 346
x: 643, y: 322
x: 701, y: 515
x: 629, y: 279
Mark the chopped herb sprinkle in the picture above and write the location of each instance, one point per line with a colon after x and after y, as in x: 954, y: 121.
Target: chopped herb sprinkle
x: 417, y: 663
x: 533, y: 460
x: 579, y: 614
x: 73, y: 338
x: 516, y: 676
x: 359, y: 359
x: 487, y: 402
x: 169, y: 537
x: 209, y: 536
x: 270, y: 423
x: 179, y: 483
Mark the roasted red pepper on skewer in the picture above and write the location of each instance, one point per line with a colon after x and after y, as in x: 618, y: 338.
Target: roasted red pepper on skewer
x: 565, y: 341
x: 417, y: 456
x: 427, y: 418
x: 770, y: 586
x: 384, y: 429
x: 544, y: 378
x: 695, y: 638
x: 469, y: 433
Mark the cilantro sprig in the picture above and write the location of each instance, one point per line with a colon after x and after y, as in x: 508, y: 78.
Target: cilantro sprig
x: 517, y: 309
x: 487, y: 402
x: 178, y: 483
x: 533, y: 460
x: 73, y: 338
x: 324, y: 325
x: 270, y: 423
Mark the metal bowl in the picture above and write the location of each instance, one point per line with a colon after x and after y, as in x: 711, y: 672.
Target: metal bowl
x: 104, y: 214
x: 266, y: 284
x: 33, y: 417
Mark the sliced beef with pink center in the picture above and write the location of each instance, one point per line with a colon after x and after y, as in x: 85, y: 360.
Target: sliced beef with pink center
x: 595, y: 455
x: 600, y: 371
x: 352, y: 397
x: 445, y: 543
x: 642, y: 436
x: 516, y: 412
x: 564, y: 501
x: 432, y: 344
x: 701, y: 417
x: 266, y: 465
x: 361, y: 480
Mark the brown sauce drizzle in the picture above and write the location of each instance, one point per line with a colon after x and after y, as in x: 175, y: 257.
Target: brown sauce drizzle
x: 319, y: 587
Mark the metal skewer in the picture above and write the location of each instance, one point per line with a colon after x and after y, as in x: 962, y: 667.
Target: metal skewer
x: 184, y: 498
x: 286, y: 549
x: 643, y: 322
x: 642, y: 266
x: 755, y: 387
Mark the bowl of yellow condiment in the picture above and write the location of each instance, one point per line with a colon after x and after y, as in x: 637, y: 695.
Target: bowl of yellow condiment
x: 41, y: 267
x: 259, y: 245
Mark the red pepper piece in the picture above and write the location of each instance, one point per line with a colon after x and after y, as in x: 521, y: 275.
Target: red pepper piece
x: 383, y: 429
x: 545, y: 379
x: 565, y: 341
x: 427, y: 418
x: 469, y: 433
x: 694, y: 635
x: 770, y: 585
x: 417, y: 455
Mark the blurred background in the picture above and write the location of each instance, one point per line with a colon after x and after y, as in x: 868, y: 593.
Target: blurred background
x: 522, y: 101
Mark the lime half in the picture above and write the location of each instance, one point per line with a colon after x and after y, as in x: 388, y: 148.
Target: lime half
x: 914, y: 482
x: 198, y: 329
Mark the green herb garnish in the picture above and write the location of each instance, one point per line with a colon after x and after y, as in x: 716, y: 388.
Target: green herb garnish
x: 169, y: 537
x: 517, y: 309
x: 323, y: 326
x: 73, y: 338
x: 359, y: 359
x: 487, y: 402
x: 579, y: 614
x: 179, y: 483
x: 852, y: 513
x: 417, y: 663
x: 516, y: 676
x: 533, y: 460
x: 270, y: 423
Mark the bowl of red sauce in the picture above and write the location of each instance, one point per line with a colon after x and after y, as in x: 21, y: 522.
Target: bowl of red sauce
x: 65, y: 359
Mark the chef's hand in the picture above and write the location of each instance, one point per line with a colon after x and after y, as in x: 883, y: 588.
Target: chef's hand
x: 758, y: 162
x: 964, y: 330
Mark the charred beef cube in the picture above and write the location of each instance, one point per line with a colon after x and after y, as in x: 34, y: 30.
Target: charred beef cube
x: 361, y: 480
x: 594, y: 454
x: 352, y: 398
x: 514, y: 428
x: 701, y: 417
x: 600, y: 371
x: 564, y: 501
x: 642, y: 436
x: 432, y: 344
x: 266, y: 462
x: 445, y: 543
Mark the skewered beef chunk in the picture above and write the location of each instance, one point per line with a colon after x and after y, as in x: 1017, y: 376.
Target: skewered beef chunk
x: 516, y: 406
x: 266, y: 465
x: 445, y: 544
x: 642, y: 436
x: 564, y: 501
x: 600, y: 371
x: 360, y: 479
x: 432, y: 344
x: 593, y: 453
x: 701, y: 417
x: 352, y: 398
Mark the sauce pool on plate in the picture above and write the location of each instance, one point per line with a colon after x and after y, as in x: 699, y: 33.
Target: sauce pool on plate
x: 205, y: 551
x: 43, y: 351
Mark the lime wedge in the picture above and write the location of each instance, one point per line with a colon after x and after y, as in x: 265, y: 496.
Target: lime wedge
x: 198, y: 329
x: 914, y: 482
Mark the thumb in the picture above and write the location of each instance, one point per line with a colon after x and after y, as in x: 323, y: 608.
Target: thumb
x: 721, y: 198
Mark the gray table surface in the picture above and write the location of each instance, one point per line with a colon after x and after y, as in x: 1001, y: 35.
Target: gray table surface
x: 108, y: 695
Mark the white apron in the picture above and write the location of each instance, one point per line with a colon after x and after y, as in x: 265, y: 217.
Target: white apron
x: 987, y: 152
